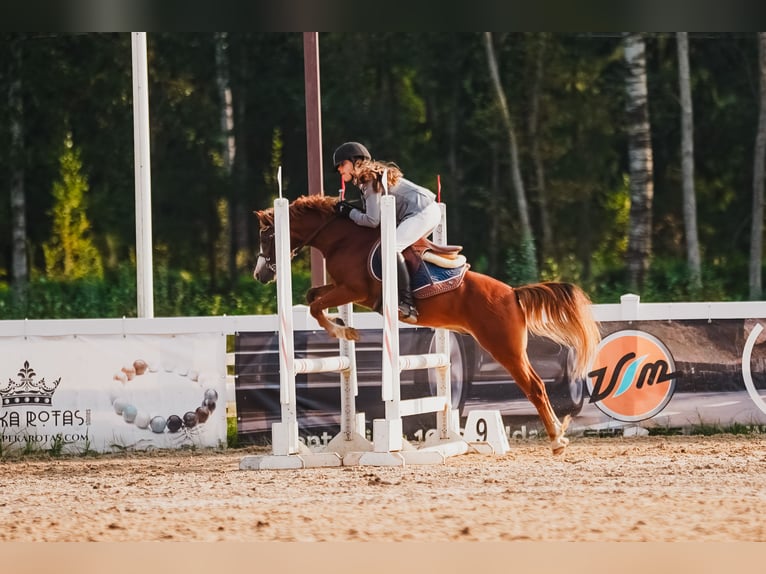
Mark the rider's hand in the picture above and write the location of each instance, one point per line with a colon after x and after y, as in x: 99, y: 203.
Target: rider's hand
x: 344, y: 208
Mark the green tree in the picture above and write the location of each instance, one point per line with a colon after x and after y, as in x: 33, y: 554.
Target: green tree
x: 70, y: 253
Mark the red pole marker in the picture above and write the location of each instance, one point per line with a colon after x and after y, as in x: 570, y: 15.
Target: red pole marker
x: 342, y: 188
x: 438, y: 188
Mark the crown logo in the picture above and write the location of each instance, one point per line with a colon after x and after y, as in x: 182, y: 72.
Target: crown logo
x: 27, y: 391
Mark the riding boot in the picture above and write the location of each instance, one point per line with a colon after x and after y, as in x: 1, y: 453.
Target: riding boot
x: 406, y: 302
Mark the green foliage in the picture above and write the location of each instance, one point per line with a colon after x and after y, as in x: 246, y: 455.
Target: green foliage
x: 57, y: 445
x: 176, y: 294
x: 423, y: 100
x: 71, y: 253
x: 232, y: 438
x: 520, y: 264
x: 710, y: 429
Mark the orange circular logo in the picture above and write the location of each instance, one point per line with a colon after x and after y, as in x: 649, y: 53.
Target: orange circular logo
x: 632, y: 377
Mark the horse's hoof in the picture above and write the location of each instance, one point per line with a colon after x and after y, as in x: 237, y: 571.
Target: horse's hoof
x: 560, y: 442
x: 350, y: 334
x: 559, y: 445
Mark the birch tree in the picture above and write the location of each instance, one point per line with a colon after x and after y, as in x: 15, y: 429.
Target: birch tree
x: 527, y: 238
x: 640, y: 161
x: 756, y: 235
x: 227, y: 247
x: 687, y: 163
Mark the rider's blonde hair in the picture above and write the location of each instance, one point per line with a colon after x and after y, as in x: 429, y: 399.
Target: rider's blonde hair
x: 366, y: 170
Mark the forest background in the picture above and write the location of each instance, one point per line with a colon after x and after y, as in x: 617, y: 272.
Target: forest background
x: 552, y: 163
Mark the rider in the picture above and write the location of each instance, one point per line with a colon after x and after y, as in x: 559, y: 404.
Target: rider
x: 417, y: 212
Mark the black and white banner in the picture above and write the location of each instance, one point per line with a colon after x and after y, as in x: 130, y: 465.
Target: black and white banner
x: 666, y: 375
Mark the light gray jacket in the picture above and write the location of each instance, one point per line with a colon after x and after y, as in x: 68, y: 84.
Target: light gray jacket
x: 411, y: 199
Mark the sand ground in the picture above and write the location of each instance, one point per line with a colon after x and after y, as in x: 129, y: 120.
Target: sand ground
x: 659, y: 489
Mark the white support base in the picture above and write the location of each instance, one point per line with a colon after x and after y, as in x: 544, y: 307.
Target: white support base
x: 482, y: 448
x: 293, y: 461
x: 432, y: 455
x: 343, y: 446
x: 284, y: 439
x: 374, y: 459
x: 433, y: 451
x: 387, y: 435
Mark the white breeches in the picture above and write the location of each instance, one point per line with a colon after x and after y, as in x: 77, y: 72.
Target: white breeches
x: 413, y: 228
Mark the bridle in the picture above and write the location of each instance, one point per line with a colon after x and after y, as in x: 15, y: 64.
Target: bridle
x: 272, y: 265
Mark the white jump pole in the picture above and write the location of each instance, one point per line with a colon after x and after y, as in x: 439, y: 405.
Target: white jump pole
x: 446, y: 420
x: 389, y: 447
x: 142, y: 167
x: 287, y: 450
x: 285, y: 433
x: 387, y: 433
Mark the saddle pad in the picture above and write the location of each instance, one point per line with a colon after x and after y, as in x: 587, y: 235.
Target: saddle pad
x: 425, y: 281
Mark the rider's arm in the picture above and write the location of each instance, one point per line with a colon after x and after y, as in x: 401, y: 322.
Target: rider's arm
x: 370, y: 217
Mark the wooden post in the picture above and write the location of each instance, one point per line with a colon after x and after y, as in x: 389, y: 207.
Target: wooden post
x: 313, y: 137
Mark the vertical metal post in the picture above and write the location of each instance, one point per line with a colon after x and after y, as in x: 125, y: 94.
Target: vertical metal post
x: 144, y: 286
x: 313, y: 137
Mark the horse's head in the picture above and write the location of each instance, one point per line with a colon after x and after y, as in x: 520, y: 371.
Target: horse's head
x: 266, y: 266
x: 309, y: 216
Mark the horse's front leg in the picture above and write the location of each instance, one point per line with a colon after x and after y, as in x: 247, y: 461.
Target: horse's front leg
x: 317, y: 292
x: 324, y: 297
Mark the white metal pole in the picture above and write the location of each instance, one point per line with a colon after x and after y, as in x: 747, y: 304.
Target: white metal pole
x: 144, y: 280
x: 285, y: 434
x: 444, y: 420
x: 387, y: 432
x: 390, y: 365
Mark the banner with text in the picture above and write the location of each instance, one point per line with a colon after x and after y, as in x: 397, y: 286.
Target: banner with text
x: 112, y: 392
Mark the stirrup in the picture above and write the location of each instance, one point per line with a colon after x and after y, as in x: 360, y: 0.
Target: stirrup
x: 408, y: 313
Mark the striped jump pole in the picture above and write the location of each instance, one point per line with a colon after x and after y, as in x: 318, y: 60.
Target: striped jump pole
x: 389, y: 446
x: 287, y: 450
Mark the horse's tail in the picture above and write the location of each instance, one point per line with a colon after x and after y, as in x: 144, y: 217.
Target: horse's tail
x: 562, y: 312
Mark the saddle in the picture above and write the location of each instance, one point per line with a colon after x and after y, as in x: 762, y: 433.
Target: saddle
x: 446, y: 256
x: 433, y: 268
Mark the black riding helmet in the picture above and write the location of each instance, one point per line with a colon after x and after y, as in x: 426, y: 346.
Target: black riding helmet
x: 350, y: 151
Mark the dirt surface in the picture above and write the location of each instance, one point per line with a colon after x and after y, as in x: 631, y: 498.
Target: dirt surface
x: 660, y: 489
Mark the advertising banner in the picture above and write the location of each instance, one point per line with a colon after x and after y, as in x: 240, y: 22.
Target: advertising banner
x: 662, y: 376
x: 112, y: 392
x: 675, y: 375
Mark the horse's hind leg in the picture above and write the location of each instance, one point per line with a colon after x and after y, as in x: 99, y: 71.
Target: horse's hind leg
x: 534, y: 388
x: 509, y: 348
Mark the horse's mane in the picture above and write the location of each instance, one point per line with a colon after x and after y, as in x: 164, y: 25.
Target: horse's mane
x: 304, y: 203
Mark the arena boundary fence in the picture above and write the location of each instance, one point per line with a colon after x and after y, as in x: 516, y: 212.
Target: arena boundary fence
x: 630, y: 309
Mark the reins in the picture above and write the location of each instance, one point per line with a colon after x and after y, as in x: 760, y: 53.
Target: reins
x: 313, y: 236
x: 294, y: 252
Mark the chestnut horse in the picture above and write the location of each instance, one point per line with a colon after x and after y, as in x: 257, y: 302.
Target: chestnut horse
x: 496, y: 315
